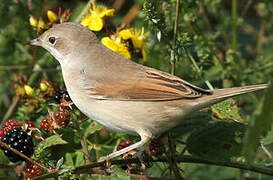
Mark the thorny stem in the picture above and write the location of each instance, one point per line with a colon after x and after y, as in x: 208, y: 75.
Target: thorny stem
x: 173, y: 56
x: 87, y: 169
x: 23, y: 156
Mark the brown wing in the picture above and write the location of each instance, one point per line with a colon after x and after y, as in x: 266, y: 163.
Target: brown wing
x: 153, y: 86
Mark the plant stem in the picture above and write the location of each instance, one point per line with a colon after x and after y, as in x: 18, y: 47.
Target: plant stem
x: 84, y: 11
x: 234, y: 25
x: 198, y: 70
x: 173, y: 54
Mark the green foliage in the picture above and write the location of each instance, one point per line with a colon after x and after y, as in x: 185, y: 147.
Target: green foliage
x: 225, y: 146
x: 260, y: 126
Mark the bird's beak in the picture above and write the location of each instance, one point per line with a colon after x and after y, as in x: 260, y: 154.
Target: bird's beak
x: 34, y: 42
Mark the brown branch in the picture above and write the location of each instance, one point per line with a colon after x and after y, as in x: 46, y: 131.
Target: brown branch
x: 23, y: 156
x: 179, y: 159
x: 87, y: 169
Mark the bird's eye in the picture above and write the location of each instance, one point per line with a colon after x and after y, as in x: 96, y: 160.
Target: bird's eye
x: 52, y: 40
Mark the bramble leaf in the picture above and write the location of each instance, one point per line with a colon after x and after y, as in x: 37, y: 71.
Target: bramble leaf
x: 220, y: 140
x: 227, y: 109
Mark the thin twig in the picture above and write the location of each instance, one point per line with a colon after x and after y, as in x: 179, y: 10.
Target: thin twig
x: 173, y: 54
x: 10, y: 110
x: 234, y: 25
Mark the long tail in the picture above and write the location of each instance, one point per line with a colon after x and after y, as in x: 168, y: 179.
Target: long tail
x: 222, y: 94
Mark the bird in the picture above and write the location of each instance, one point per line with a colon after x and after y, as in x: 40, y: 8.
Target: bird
x: 122, y: 95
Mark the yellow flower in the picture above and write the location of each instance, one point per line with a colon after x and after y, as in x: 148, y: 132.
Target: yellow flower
x: 52, y: 17
x: 94, y: 19
x: 29, y: 90
x: 117, y: 46
x: 40, y: 24
x: 137, y: 37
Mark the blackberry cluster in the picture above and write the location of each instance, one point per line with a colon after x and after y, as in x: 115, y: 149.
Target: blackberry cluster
x: 19, y: 140
x: 59, y: 95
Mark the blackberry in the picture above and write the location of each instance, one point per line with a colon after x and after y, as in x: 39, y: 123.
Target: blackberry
x: 19, y: 140
x: 59, y: 95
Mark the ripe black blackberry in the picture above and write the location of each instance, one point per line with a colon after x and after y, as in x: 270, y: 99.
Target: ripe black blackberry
x: 59, y: 95
x: 19, y: 140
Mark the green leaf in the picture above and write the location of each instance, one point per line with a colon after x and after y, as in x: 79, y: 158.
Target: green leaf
x: 74, y: 159
x: 89, y: 127
x: 227, y: 109
x: 259, y: 126
x: 191, y: 123
x: 221, y: 140
x: 48, y: 142
x: 3, y: 158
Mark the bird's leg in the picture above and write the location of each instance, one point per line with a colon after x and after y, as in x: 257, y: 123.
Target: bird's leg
x: 145, y: 138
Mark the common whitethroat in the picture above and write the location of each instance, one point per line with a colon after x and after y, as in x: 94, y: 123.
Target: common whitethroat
x: 120, y: 94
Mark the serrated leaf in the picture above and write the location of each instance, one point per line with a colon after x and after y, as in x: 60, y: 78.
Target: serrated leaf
x: 259, y: 126
x: 227, y: 109
x: 89, y: 127
x: 221, y: 140
x: 48, y: 142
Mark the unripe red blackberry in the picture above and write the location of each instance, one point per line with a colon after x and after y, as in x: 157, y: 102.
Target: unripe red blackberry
x: 19, y: 140
x: 156, y: 147
x: 62, y: 117
x: 1, y: 133
x: 46, y: 124
x: 30, y: 124
x: 33, y: 170
x: 124, y: 144
x: 10, y: 125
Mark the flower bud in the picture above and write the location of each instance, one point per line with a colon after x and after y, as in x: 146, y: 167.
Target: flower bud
x: 43, y: 87
x: 29, y: 90
x: 52, y: 16
x: 33, y: 22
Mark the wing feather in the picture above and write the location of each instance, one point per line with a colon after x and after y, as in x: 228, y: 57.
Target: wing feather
x: 153, y: 86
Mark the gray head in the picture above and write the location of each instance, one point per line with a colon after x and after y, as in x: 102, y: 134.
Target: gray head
x: 63, y: 39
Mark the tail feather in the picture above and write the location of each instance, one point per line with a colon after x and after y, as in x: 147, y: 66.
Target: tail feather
x: 222, y: 94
